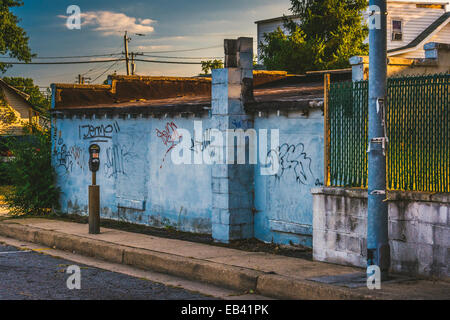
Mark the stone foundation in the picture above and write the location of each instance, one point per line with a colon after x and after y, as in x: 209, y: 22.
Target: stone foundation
x: 419, y: 230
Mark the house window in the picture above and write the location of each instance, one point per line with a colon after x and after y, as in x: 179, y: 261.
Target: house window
x: 397, y: 30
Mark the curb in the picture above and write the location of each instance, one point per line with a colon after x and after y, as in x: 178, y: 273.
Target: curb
x: 231, y: 277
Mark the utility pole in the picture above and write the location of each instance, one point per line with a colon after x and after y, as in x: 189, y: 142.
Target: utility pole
x: 82, y: 80
x: 378, y: 252
x: 126, y: 39
x: 133, y: 63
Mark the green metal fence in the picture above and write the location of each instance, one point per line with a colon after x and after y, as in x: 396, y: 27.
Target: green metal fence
x: 418, y: 129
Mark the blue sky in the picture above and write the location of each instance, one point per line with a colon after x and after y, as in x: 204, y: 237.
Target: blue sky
x: 168, y: 25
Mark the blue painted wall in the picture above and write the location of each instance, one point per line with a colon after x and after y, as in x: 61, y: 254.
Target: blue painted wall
x: 284, y: 202
x: 139, y: 183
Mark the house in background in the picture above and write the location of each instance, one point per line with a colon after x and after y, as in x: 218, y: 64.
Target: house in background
x: 15, y: 110
x: 268, y: 26
x: 410, y: 25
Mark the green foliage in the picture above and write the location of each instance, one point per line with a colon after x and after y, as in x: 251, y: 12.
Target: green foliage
x: 328, y: 34
x: 208, y: 65
x: 26, y: 85
x: 4, y: 179
x: 13, y: 39
x: 7, y: 114
x: 30, y: 173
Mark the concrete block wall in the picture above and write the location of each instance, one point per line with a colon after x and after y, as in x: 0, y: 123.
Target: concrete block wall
x: 232, y: 213
x: 140, y: 184
x: 419, y: 230
x: 339, y: 227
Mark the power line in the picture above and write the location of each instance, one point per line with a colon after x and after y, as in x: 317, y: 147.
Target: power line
x: 99, y: 67
x: 92, y: 69
x: 105, y: 71
x: 168, y: 62
x: 72, y: 57
x: 192, y: 58
x: 101, y: 61
x: 185, y: 50
x: 64, y: 62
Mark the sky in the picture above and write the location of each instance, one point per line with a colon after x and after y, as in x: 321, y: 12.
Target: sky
x: 168, y: 25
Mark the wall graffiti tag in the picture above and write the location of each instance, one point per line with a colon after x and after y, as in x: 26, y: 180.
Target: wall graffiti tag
x: 294, y: 161
x: 114, y: 162
x: 199, y: 146
x: 78, y: 156
x: 63, y: 156
x: 66, y: 157
x: 89, y: 132
x: 240, y: 124
x: 169, y: 137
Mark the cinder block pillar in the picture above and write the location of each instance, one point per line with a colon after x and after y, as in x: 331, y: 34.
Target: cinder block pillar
x: 232, y: 183
x: 360, y: 68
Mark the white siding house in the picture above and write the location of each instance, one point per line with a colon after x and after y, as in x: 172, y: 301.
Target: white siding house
x: 269, y: 26
x: 14, y: 101
x: 410, y: 25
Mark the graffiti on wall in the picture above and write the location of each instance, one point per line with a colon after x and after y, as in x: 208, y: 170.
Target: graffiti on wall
x: 293, y: 162
x: 240, y: 124
x: 98, y: 133
x: 63, y: 157
x: 78, y: 156
x: 115, y: 159
x: 170, y: 137
x: 199, y: 146
x: 68, y: 157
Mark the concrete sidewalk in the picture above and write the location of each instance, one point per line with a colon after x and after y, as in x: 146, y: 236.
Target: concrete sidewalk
x: 262, y: 273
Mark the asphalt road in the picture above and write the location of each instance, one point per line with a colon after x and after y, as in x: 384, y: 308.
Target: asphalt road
x: 36, y: 276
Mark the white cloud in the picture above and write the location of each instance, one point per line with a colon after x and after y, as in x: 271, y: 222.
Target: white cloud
x: 114, y: 23
x: 156, y: 47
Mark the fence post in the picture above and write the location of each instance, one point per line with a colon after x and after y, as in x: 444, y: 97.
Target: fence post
x: 326, y: 132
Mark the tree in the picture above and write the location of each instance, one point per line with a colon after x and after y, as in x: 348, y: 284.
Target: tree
x: 328, y: 34
x: 37, y: 99
x: 208, y: 65
x: 13, y: 39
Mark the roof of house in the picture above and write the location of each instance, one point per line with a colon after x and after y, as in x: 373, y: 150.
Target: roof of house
x: 275, y: 19
x: 428, y: 2
x: 158, y: 95
x: 16, y: 99
x: 420, y: 40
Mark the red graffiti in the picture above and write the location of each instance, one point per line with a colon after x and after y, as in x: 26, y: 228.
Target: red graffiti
x: 169, y: 137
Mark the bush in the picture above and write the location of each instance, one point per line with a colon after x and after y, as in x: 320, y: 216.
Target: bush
x: 4, y: 156
x: 32, y: 177
x: 4, y: 178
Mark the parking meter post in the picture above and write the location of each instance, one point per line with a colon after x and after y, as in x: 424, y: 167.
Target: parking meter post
x: 94, y: 209
x: 94, y: 190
